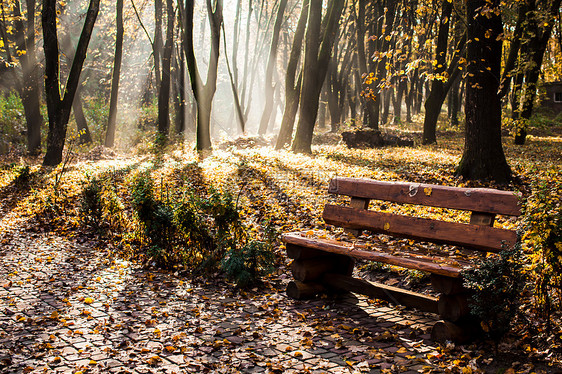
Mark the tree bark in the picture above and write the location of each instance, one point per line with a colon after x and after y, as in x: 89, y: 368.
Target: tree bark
x: 59, y: 107
x: 367, y: 98
x: 111, y: 123
x: 292, y: 91
x: 157, y: 45
x: 315, y: 67
x: 483, y: 156
x: 266, y: 115
x: 84, y: 135
x: 437, y: 94
x: 165, y: 82
x: 30, y: 92
x: 203, y: 94
x: 537, y: 44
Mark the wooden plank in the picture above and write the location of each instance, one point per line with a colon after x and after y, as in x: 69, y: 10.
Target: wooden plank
x: 381, y: 291
x: 478, y: 237
x: 484, y: 200
x: 359, y: 252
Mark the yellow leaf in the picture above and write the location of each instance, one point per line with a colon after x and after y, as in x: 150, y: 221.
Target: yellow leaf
x: 427, y: 191
x: 297, y: 354
x: 88, y: 300
x: 402, y: 350
x: 387, y: 226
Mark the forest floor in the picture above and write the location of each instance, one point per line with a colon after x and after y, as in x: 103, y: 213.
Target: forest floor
x: 72, y: 300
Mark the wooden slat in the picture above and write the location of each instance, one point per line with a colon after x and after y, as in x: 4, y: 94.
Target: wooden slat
x: 478, y: 237
x: 381, y: 291
x: 485, y: 200
x: 344, y: 248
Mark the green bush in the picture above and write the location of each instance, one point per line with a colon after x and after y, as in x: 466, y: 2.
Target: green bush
x: 91, y: 203
x: 497, y: 285
x: 248, y: 263
x: 543, y: 239
x: 203, y: 233
x: 23, y: 177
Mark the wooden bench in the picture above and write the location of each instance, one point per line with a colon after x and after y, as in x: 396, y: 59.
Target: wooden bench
x: 321, y: 262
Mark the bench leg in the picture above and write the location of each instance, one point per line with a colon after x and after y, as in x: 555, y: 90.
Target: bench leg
x: 308, y: 269
x: 303, y: 291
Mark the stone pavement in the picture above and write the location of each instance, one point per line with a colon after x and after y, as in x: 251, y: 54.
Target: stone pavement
x: 67, y: 308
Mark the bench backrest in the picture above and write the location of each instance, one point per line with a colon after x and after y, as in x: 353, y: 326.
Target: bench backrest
x: 484, y: 203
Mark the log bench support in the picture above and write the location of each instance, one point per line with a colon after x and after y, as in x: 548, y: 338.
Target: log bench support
x: 325, y: 265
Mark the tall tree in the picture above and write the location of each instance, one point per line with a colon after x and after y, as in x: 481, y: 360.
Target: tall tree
x: 538, y: 31
x: 292, y: 90
x: 483, y: 156
x: 59, y: 107
x: 203, y: 93
x: 29, y: 91
x: 269, y: 87
x: 165, y: 82
x: 444, y: 75
x: 318, y: 52
x: 111, y: 123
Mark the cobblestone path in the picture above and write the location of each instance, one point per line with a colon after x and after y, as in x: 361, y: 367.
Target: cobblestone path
x: 67, y: 308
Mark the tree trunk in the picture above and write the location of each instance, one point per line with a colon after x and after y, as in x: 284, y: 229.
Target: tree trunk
x: 483, y: 156
x: 30, y: 92
x: 367, y: 98
x: 537, y: 45
x: 157, y: 45
x: 315, y: 67
x: 454, y: 102
x: 165, y: 82
x: 437, y: 95
x: 84, y: 135
x: 111, y: 123
x: 203, y: 94
x: 57, y: 107
x: 292, y: 91
x: 266, y: 116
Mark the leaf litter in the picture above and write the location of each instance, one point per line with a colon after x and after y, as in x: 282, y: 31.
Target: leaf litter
x: 73, y: 301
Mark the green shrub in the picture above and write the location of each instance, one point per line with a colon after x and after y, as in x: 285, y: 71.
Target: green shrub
x: 91, y: 203
x: 248, y: 263
x: 23, y: 177
x: 203, y: 233
x: 156, y: 218
x: 497, y: 285
x: 543, y: 239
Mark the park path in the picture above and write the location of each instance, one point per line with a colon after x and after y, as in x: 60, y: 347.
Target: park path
x: 67, y: 306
